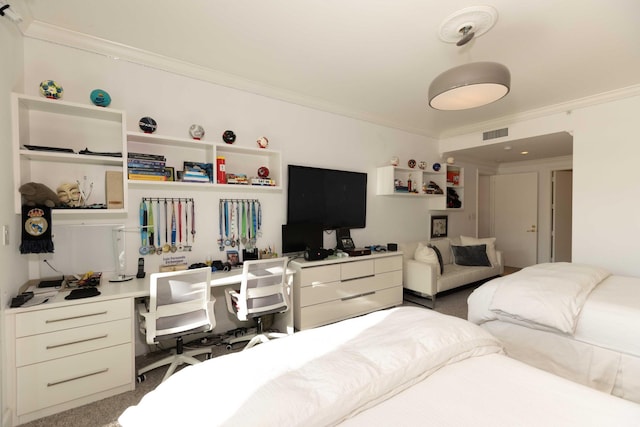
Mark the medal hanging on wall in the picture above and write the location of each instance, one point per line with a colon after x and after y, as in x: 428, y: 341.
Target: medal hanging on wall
x: 36, y: 230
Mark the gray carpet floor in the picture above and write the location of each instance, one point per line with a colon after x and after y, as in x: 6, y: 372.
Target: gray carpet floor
x: 104, y: 413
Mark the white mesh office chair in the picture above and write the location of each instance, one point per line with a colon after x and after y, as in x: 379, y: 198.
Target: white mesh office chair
x: 264, y: 290
x: 180, y: 303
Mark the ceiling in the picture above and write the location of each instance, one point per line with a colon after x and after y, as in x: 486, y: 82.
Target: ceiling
x: 374, y: 59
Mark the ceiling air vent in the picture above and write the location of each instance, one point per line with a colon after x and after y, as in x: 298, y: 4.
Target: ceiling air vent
x: 493, y: 134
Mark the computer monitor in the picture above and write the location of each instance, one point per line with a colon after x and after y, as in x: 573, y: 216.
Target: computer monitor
x: 297, y: 238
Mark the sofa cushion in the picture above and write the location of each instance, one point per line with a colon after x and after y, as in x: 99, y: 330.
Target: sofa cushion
x: 475, y: 255
x: 439, y: 256
x: 444, y: 246
x: 489, y: 241
x: 428, y: 255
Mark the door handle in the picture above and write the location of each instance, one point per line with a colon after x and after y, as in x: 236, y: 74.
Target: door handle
x: 532, y: 229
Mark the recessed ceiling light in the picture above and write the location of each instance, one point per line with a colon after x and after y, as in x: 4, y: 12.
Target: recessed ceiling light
x: 524, y: 153
x: 508, y: 147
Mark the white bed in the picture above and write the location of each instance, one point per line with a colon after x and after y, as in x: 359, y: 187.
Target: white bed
x: 576, y: 321
x: 402, y: 366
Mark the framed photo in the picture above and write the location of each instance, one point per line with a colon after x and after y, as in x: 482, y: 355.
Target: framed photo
x: 169, y: 173
x: 233, y: 258
x: 439, y: 226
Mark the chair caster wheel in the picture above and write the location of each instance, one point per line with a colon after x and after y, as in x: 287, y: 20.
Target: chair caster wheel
x: 207, y: 356
x: 229, y: 346
x: 140, y: 378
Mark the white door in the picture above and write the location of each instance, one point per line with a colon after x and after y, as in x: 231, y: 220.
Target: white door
x: 515, y: 217
x: 561, y: 216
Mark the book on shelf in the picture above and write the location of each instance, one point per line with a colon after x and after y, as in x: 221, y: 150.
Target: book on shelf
x: 141, y: 177
x: 196, y: 169
x: 146, y: 164
x: 145, y: 156
x: 159, y: 172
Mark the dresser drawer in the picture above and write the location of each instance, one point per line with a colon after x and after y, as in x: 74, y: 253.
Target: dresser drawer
x: 57, y: 381
x: 326, y: 292
x: 317, y: 275
x: 391, y: 263
x: 42, y: 347
x: 57, y: 319
x: 333, y: 311
x: 355, y: 269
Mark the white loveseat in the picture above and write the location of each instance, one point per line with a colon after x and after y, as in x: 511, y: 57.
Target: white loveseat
x: 424, y: 279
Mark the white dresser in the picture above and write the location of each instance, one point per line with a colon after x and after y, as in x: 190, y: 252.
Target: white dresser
x: 339, y: 288
x: 68, y: 355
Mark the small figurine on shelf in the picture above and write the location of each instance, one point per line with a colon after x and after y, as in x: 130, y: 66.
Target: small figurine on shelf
x: 100, y: 98
x: 395, y: 161
x: 51, y: 89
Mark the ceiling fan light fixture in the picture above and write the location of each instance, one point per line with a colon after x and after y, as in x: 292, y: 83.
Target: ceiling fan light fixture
x: 469, y: 86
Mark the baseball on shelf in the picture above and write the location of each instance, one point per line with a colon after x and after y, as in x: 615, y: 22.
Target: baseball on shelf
x: 263, y: 142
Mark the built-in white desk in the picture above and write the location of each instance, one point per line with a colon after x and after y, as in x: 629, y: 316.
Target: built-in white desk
x: 66, y: 353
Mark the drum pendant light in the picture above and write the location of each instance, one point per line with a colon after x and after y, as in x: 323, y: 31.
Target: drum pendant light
x: 475, y: 84
x: 469, y: 86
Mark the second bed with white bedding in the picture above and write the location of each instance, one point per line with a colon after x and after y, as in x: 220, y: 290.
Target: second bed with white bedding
x: 601, y: 350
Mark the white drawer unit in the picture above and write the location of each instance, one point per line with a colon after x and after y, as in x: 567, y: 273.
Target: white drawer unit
x: 68, y: 355
x: 331, y: 290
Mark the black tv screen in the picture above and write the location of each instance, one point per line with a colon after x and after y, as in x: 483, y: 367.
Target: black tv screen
x: 332, y: 198
x: 300, y: 237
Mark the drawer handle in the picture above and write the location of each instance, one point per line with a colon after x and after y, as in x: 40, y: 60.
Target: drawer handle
x: 357, y: 296
x: 102, y: 371
x: 49, y: 347
x: 358, y: 278
x: 75, y: 317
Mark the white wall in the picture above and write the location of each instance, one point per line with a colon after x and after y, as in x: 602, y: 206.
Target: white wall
x: 12, y: 265
x: 606, y: 190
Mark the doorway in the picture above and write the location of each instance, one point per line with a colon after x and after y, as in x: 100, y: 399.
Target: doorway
x: 561, y: 214
x: 514, y: 212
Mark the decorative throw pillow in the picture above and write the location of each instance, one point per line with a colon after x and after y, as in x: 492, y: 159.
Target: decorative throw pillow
x: 489, y: 241
x: 475, y: 255
x: 427, y: 255
x: 439, y: 255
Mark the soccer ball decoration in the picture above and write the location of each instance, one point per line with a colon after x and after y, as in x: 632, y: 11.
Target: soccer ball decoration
x: 263, y: 172
x: 263, y: 142
x: 148, y: 125
x: 436, y: 167
x: 229, y: 137
x: 100, y: 98
x: 51, y: 89
x: 196, y: 132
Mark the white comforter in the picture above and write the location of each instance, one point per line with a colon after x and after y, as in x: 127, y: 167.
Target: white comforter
x: 547, y: 295
x: 316, y: 377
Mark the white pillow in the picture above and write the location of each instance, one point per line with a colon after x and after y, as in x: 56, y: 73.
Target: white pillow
x: 427, y: 255
x: 489, y: 241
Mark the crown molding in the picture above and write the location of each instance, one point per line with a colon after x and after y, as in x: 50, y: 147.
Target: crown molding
x: 117, y: 51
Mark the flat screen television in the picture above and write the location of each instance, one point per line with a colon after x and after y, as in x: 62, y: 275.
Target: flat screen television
x: 300, y: 237
x: 333, y: 198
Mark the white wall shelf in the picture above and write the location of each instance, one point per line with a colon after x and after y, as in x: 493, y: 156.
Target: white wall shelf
x: 39, y: 121
x: 387, y: 176
x: 238, y: 160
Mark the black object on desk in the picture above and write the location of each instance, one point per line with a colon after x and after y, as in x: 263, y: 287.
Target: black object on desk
x: 21, y: 299
x: 84, y: 292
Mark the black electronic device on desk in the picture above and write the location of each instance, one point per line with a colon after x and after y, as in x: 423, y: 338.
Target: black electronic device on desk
x: 83, y: 292
x: 21, y: 299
